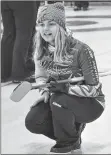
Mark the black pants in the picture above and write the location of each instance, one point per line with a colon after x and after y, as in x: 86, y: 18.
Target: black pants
x: 57, y: 119
x: 30, y: 61
x: 19, y: 18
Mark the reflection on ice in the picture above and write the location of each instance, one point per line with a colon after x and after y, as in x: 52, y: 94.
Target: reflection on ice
x: 86, y: 148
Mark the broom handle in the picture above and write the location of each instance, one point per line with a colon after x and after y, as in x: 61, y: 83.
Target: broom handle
x: 75, y: 79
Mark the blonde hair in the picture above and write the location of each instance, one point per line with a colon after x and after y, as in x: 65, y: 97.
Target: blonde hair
x: 61, y: 53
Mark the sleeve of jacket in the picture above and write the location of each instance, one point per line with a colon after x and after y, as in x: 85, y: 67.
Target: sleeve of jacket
x: 88, y: 65
x: 40, y: 74
x: 87, y: 62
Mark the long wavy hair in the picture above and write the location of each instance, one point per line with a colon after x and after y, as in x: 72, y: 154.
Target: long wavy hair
x: 62, y: 53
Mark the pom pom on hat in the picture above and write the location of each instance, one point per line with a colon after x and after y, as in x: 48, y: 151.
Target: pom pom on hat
x: 54, y: 12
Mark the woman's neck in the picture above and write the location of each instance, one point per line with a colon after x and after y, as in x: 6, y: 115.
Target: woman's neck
x: 52, y: 44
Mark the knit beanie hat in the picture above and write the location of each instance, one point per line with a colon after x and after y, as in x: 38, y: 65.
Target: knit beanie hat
x: 54, y: 12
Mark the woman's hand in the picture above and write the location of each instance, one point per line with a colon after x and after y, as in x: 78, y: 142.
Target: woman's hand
x: 44, y: 97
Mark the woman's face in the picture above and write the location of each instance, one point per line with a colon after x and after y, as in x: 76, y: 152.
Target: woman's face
x: 48, y: 30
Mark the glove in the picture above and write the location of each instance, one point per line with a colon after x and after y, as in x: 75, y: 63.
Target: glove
x: 58, y: 87
x: 50, y: 79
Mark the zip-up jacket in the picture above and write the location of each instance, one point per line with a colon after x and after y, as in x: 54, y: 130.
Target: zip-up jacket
x: 83, y: 63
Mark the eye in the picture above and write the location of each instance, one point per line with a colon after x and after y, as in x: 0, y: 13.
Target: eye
x: 41, y: 24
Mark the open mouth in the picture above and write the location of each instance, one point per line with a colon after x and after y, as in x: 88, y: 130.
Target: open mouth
x: 47, y: 34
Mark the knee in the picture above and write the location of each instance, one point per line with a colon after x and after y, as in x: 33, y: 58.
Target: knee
x: 34, y: 125
x: 30, y: 125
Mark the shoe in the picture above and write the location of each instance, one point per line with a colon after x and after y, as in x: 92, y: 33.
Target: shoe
x: 85, y: 8
x: 60, y: 153
x: 77, y: 8
x: 16, y: 81
x: 63, y: 148
x: 30, y: 79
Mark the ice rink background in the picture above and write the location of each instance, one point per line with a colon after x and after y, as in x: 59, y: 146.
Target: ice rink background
x: 15, y: 139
